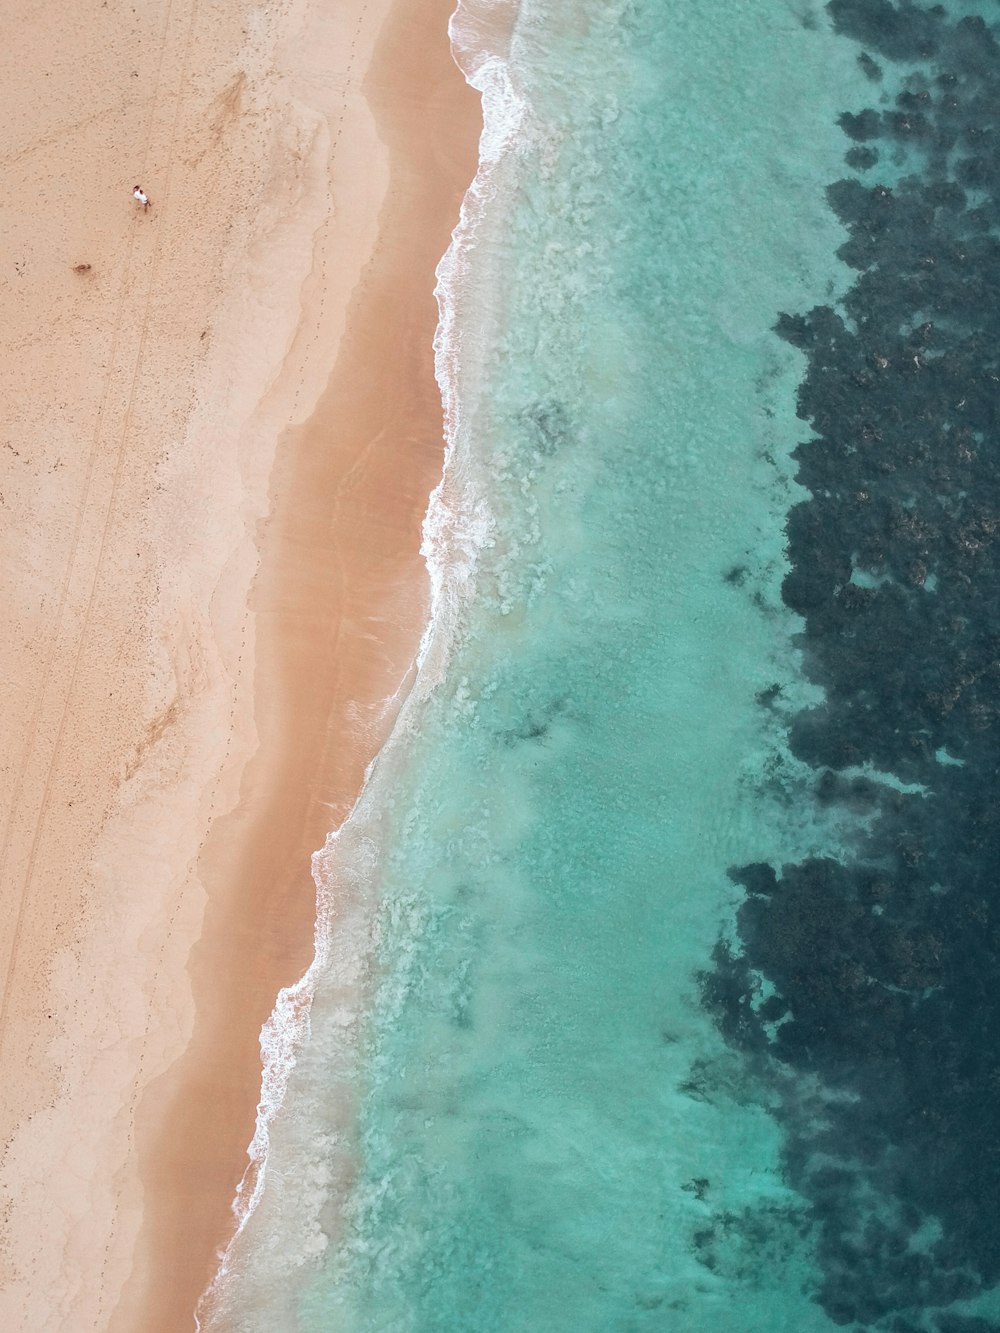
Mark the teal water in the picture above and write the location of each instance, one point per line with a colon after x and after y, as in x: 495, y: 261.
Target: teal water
x: 544, y: 1129
x: 552, y: 1135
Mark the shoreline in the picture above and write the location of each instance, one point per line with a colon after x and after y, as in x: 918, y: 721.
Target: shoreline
x: 253, y: 1273
x: 224, y: 759
x: 339, y: 602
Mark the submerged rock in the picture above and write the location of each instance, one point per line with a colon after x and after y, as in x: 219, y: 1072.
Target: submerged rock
x: 882, y: 967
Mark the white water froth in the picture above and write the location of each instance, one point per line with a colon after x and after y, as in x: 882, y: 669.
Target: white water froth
x: 458, y: 525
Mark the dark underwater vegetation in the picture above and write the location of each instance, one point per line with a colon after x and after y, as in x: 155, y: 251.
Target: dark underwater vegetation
x: 866, y: 990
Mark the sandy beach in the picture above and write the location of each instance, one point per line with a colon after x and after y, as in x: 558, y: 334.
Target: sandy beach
x: 220, y: 429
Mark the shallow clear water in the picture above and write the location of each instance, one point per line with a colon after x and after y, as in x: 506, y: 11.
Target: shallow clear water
x: 551, y: 1132
x: 553, y: 1136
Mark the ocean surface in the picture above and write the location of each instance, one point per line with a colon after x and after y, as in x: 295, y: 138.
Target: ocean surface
x: 656, y: 982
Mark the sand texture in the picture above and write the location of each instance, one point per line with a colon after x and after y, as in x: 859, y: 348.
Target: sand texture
x: 219, y: 430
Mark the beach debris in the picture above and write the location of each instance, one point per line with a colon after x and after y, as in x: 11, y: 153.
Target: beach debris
x: 82, y: 268
x: 140, y: 196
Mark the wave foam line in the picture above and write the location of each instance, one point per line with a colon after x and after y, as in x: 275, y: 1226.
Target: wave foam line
x: 458, y: 523
x: 456, y: 527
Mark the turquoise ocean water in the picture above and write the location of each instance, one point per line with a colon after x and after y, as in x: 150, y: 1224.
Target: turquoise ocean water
x: 515, y: 1112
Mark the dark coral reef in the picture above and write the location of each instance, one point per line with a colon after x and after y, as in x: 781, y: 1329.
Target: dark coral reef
x: 873, y: 981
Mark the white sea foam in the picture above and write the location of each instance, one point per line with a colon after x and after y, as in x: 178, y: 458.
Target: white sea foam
x: 458, y: 523
x: 252, y: 1277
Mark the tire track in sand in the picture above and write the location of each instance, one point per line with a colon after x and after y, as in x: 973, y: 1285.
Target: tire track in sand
x: 88, y: 545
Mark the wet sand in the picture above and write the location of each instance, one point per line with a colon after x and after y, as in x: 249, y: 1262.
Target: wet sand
x: 219, y: 433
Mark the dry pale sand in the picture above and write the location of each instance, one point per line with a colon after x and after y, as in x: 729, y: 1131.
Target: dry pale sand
x: 219, y: 430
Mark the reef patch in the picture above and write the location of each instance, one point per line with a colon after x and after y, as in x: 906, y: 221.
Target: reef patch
x: 865, y: 988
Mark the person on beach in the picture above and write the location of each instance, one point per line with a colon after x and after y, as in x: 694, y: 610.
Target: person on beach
x: 141, y: 196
